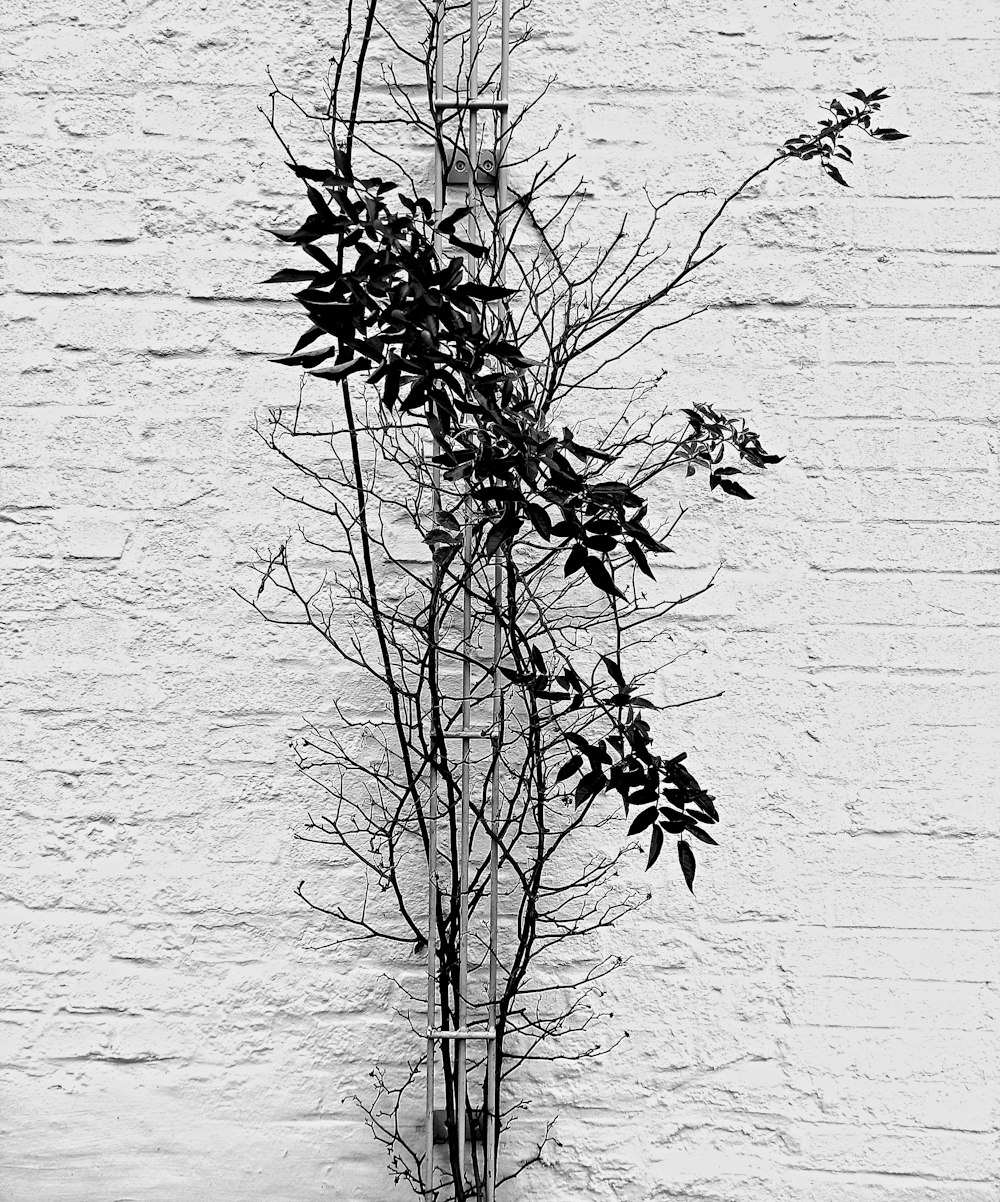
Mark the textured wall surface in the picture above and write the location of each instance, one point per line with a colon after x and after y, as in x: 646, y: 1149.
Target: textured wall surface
x: 821, y: 1023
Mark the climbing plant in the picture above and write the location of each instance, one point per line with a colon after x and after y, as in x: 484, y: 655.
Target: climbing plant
x: 461, y: 525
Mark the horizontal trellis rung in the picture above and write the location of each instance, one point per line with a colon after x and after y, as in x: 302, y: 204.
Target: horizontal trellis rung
x: 461, y: 1034
x: 498, y: 106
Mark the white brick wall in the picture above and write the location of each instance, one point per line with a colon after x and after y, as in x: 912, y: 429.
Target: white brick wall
x: 821, y: 1024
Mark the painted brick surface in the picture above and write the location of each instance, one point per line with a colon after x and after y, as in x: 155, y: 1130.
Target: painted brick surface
x: 822, y: 1023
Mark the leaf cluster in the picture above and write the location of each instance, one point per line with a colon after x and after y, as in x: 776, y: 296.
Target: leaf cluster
x: 826, y: 146
x: 415, y: 310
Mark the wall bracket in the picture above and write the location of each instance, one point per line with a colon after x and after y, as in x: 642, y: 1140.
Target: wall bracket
x: 458, y: 168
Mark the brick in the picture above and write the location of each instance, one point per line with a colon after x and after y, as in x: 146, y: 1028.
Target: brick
x: 931, y: 284
x: 110, y: 327
x: 909, y: 809
x: 227, y: 116
x: 888, y: 496
x: 924, y: 1153
x: 55, y: 12
x: 27, y: 116
x: 900, y: 1005
x: 906, y: 599
x: 95, y: 116
x: 76, y: 272
x: 962, y: 546
x: 854, y: 447
x: 959, y: 66
x: 861, y: 1056
x: 966, y: 228
x: 930, y: 648
x: 936, y: 1103
x: 940, y: 702
x: 880, y: 390
x: 93, y: 218
x: 889, y: 955
x: 889, y: 337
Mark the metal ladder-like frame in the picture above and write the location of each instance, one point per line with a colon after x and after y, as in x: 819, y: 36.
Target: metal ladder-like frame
x: 469, y: 110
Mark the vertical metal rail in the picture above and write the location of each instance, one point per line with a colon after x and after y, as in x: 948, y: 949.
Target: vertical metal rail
x: 432, y: 801
x: 461, y: 1033
x: 492, y: 1048
x: 461, y: 1073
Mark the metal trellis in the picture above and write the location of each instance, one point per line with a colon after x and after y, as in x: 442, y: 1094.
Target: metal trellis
x: 482, y: 165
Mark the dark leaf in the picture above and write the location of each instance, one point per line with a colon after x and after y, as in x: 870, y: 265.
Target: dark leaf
x: 601, y: 577
x: 655, y: 847
x: 471, y: 248
x: 501, y: 533
x: 340, y: 370
x: 735, y: 490
x: 291, y: 275
x: 321, y: 175
x: 318, y: 202
x: 308, y: 337
x: 539, y: 519
x: 390, y: 389
x: 614, y: 671
x: 672, y: 815
x: 834, y: 174
x: 498, y: 494
x: 312, y: 173
x: 686, y: 857
x: 313, y: 227
x: 448, y: 520
x: 646, y: 818
x: 639, y: 555
x: 572, y: 765
x: 567, y: 528
x: 515, y: 677
x: 438, y: 535
x: 307, y: 359
x: 575, y: 560
x: 320, y: 255
x: 447, y: 224
x: 589, y: 786
x: 707, y: 803
x: 700, y: 834
x: 486, y: 292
